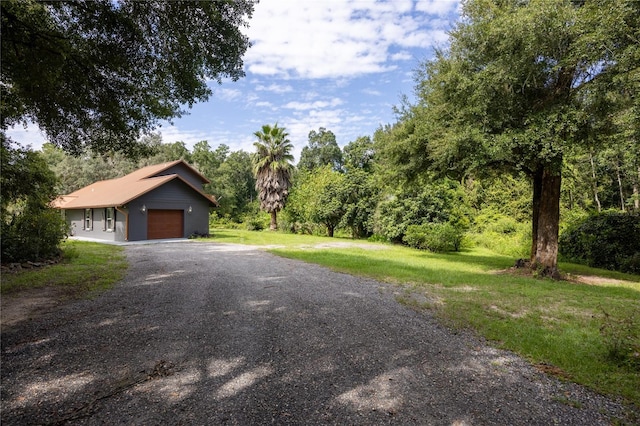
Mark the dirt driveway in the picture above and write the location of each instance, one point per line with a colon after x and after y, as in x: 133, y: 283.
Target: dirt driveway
x: 202, y: 333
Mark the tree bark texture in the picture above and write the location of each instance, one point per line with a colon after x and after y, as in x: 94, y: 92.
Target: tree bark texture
x: 537, y: 188
x: 274, y: 220
x: 622, y: 207
x: 636, y: 192
x: 545, y: 256
x: 595, y: 183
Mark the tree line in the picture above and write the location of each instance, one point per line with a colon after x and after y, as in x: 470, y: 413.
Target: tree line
x: 530, y: 115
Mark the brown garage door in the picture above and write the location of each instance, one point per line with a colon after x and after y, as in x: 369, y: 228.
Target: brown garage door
x: 164, y: 224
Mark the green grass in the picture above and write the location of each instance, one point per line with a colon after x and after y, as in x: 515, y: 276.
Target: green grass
x: 555, y: 323
x: 86, y: 268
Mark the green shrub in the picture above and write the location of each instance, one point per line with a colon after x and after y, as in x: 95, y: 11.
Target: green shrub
x: 377, y: 238
x: 218, y: 221
x: 34, y: 234
x: 430, y: 202
x: 607, y: 240
x: 255, y: 224
x: 501, y: 234
x: 437, y: 237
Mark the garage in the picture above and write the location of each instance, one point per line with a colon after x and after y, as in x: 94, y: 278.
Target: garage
x: 165, y: 224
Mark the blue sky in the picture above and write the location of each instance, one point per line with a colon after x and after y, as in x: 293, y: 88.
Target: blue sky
x: 338, y: 64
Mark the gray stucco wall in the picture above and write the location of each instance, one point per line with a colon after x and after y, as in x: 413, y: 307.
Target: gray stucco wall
x: 185, y: 173
x: 75, y: 221
x: 174, y: 195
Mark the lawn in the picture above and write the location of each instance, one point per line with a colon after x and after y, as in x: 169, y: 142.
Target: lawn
x: 585, y: 330
x: 86, y: 268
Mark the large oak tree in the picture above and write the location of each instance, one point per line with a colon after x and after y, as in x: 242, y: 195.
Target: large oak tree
x: 100, y: 73
x: 521, y: 84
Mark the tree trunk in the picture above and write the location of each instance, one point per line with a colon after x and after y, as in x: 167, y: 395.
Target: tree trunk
x: 545, y: 256
x: 274, y: 221
x: 622, y: 207
x: 636, y: 192
x: 537, y: 190
x: 594, y: 183
x: 330, y: 230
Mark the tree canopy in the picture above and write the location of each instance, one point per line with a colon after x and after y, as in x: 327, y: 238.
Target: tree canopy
x: 322, y: 150
x: 520, y: 86
x: 101, y: 73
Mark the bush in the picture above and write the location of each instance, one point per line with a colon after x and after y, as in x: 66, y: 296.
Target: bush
x: 501, y: 234
x: 30, y: 229
x: 436, y: 237
x: 34, y: 234
x: 377, y: 238
x: 255, y: 224
x: 607, y: 240
x: 430, y: 202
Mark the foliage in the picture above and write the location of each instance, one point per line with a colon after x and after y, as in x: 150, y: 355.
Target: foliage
x: 30, y: 228
x: 362, y: 196
x: 322, y: 150
x: 34, y: 234
x: 272, y: 169
x: 520, y: 86
x: 607, y: 240
x: 319, y: 197
x: 100, y: 73
x: 160, y: 152
x: 507, y: 195
x: 436, y: 237
x: 75, y: 172
x: 359, y: 154
x: 439, y: 201
x: 233, y: 184
x: 255, y: 224
x: 501, y: 234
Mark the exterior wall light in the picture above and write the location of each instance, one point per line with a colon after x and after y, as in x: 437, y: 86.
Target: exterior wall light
x: 190, y: 210
x: 143, y: 209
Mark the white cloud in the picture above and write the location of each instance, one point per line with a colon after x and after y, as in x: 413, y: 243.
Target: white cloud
x: 275, y: 88
x: 437, y: 7
x: 371, y: 92
x: 227, y: 94
x: 264, y: 104
x: 401, y: 56
x: 302, y: 106
x: 235, y: 140
x: 172, y: 134
x: 339, y: 38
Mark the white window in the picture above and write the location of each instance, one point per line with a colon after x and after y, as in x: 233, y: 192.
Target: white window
x: 109, y: 219
x: 88, y: 219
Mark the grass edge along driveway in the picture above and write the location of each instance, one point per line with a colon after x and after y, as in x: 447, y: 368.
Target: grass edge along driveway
x: 566, y: 328
x: 584, y: 329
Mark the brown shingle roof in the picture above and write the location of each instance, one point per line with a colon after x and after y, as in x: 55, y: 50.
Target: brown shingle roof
x: 120, y: 191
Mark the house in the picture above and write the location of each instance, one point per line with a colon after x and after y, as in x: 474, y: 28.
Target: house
x: 161, y: 201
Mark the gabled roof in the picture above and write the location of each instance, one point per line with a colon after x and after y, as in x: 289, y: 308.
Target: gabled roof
x: 120, y: 191
x: 150, y: 171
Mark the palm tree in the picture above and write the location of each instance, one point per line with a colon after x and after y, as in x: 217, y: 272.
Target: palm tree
x: 272, y: 169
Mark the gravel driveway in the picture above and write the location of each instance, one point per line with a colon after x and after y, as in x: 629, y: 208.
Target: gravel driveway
x: 208, y: 334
